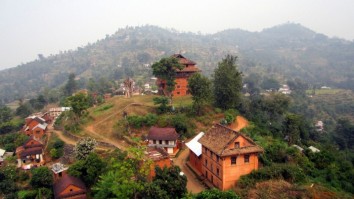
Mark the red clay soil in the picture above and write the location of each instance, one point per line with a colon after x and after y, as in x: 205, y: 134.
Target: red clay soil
x: 193, y: 184
x: 239, y: 123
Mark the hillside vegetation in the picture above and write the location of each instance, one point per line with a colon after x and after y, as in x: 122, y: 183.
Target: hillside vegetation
x: 286, y: 51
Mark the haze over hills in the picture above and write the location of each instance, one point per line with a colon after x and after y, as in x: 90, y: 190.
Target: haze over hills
x: 286, y: 51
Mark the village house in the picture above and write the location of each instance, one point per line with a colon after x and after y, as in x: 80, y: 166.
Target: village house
x: 226, y: 156
x: 160, y: 159
x: 195, y: 154
x: 181, y: 87
x: 56, y: 111
x: 166, y: 138
x: 35, y: 126
x: 30, y: 154
x: 285, y: 89
x: 69, y: 187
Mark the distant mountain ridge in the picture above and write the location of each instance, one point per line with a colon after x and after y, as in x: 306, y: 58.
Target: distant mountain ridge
x: 287, y: 50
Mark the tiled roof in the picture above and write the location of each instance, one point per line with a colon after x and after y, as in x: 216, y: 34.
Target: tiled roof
x: 31, y: 151
x: 64, y: 182
x: 156, y: 133
x: 37, y: 143
x: 220, y: 137
x: 183, y: 60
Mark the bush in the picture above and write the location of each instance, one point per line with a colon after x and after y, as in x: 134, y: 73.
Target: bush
x: 290, y: 173
x: 140, y: 121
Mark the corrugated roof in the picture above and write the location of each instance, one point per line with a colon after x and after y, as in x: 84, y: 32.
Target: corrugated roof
x: 194, y: 145
x: 2, y: 152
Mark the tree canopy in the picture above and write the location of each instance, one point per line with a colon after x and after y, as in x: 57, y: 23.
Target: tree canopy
x: 165, y: 69
x: 227, y: 83
x: 200, y: 88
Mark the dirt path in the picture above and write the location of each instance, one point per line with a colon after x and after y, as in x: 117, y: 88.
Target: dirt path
x: 239, y: 123
x: 63, y: 137
x: 193, y: 184
x: 117, y: 143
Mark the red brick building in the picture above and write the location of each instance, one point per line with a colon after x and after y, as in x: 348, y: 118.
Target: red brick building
x: 226, y: 156
x: 35, y: 126
x: 181, y: 87
x: 30, y: 154
x: 160, y: 159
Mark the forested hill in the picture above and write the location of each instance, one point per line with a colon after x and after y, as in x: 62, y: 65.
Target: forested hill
x: 287, y: 51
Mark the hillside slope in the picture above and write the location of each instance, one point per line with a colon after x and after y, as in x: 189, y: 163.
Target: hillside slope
x: 288, y: 50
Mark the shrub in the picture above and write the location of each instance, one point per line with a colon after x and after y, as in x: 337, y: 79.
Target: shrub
x: 290, y: 173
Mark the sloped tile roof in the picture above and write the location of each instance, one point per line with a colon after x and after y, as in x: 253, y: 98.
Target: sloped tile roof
x: 64, y: 182
x: 156, y: 133
x: 218, y: 138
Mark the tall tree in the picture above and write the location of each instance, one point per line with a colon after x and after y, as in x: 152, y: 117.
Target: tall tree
x: 70, y: 86
x: 200, y: 88
x: 292, y: 128
x: 227, y: 83
x: 165, y: 69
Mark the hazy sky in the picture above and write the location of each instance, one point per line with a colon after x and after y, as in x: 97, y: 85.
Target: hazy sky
x: 30, y: 27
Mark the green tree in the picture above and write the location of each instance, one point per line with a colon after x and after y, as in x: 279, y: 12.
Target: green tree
x: 216, y: 194
x: 79, y: 103
x: 200, y: 88
x: 171, y: 180
x: 344, y: 135
x: 24, y: 110
x: 292, y: 128
x: 5, y: 114
x: 70, y: 86
x: 41, y: 177
x: 227, y: 83
x: 88, y: 169
x: 165, y: 69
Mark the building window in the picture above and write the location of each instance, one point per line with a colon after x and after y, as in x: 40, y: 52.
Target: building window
x: 237, y: 145
x: 211, y: 167
x: 71, y: 190
x: 160, y: 141
x: 206, y: 174
x: 233, y: 160
x: 178, y: 86
x: 247, y: 158
x: 206, y: 162
x: 178, y: 93
x: 37, y: 132
x: 212, y: 179
x: 217, y: 171
x: 217, y: 159
x: 154, y: 141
